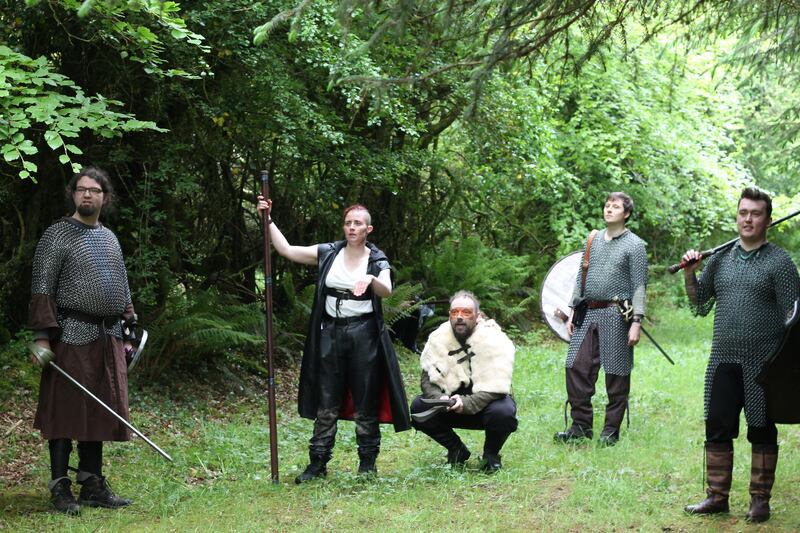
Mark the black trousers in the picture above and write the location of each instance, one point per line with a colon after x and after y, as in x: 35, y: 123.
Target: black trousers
x: 725, y: 405
x: 349, y: 359
x: 90, y: 457
x: 581, y: 381
x: 498, y: 419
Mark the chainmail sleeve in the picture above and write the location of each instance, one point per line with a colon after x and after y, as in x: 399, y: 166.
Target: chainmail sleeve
x: 706, y: 293
x: 787, y: 283
x: 638, y: 273
x: 47, y: 263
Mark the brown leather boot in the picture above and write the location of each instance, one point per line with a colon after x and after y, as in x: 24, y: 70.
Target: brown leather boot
x: 719, y: 474
x: 762, y: 477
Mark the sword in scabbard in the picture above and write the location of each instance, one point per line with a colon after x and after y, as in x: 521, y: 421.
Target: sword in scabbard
x: 660, y: 349
x: 45, y: 357
x: 626, y: 310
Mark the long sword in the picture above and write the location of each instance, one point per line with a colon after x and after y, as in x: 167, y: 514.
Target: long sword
x: 626, y: 310
x: 660, y: 349
x: 45, y: 357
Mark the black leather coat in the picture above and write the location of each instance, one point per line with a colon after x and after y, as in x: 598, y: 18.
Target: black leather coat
x: 307, y: 401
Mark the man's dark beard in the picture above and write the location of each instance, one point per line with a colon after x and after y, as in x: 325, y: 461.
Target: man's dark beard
x: 86, y: 210
x: 462, y: 337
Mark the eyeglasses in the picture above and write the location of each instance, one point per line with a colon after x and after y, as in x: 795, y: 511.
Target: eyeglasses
x: 93, y: 191
x: 466, y: 312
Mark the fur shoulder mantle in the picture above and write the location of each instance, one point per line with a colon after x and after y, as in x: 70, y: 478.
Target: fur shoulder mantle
x: 486, y: 360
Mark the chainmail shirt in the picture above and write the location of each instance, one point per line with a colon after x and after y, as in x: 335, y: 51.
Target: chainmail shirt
x: 617, y: 271
x: 81, y: 268
x: 753, y: 297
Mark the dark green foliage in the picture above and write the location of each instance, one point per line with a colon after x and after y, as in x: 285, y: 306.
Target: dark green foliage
x: 20, y: 377
x: 202, y: 329
x: 498, y: 279
x: 404, y: 300
x: 377, y: 103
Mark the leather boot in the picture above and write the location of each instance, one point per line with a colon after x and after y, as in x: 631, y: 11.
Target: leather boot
x: 366, y: 464
x: 762, y: 477
x: 317, y: 467
x: 457, y: 455
x: 609, y: 437
x: 457, y: 452
x: 491, y: 463
x: 96, y: 492
x: 574, y: 434
x: 719, y: 475
x: 61, y: 497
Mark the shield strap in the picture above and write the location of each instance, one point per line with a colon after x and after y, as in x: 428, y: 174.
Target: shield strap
x: 585, y: 264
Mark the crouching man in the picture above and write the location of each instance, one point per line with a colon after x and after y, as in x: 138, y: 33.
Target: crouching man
x: 467, y: 365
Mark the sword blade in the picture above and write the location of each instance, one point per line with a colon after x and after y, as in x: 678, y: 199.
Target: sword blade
x: 660, y: 349
x: 139, y: 350
x: 110, y: 410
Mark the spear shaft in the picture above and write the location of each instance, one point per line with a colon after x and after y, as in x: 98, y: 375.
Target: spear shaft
x: 273, y: 421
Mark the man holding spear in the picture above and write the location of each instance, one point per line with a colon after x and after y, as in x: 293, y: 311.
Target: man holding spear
x: 754, y: 284
x: 348, y: 356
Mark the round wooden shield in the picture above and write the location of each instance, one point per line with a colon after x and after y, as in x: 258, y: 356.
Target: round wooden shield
x: 556, y: 295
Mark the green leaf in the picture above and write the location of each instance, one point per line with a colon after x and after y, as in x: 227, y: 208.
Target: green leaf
x: 29, y: 165
x: 28, y: 148
x: 64, y: 159
x: 53, y: 139
x: 73, y: 149
x: 86, y: 6
x: 11, y: 156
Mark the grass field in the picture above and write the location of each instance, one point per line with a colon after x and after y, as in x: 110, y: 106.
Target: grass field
x: 220, y: 480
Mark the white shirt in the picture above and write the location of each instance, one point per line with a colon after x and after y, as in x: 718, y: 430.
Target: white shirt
x: 340, y: 278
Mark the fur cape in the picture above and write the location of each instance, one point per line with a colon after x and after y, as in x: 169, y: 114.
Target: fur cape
x: 486, y: 361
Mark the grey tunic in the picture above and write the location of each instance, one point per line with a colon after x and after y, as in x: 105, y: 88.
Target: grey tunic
x: 80, y: 268
x: 753, y: 297
x: 617, y: 270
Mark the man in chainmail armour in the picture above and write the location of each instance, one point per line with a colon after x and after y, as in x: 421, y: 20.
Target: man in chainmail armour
x: 79, y: 301
x: 617, y: 272
x: 754, y: 284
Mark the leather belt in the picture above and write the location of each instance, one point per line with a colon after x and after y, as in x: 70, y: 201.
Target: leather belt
x: 344, y: 320
x: 601, y: 304
x: 107, y: 321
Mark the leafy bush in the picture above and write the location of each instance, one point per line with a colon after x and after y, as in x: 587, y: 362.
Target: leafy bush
x: 499, y: 279
x: 204, y: 328
x: 18, y: 376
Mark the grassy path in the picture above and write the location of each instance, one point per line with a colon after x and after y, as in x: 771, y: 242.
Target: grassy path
x: 220, y: 480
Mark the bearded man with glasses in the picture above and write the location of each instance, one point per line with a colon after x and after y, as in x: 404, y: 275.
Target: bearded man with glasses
x: 81, y: 310
x: 467, y: 365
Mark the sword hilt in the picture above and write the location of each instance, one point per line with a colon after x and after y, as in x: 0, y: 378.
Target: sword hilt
x: 44, y: 355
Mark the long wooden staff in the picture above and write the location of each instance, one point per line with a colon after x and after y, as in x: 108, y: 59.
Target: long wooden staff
x: 273, y: 420
x: 679, y: 266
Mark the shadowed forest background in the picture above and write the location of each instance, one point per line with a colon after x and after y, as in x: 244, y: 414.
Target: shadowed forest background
x: 483, y: 137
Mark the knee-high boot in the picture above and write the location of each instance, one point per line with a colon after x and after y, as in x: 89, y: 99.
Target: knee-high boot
x: 719, y: 475
x: 762, y: 477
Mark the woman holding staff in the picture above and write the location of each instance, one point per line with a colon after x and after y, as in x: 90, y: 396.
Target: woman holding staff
x: 348, y: 356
